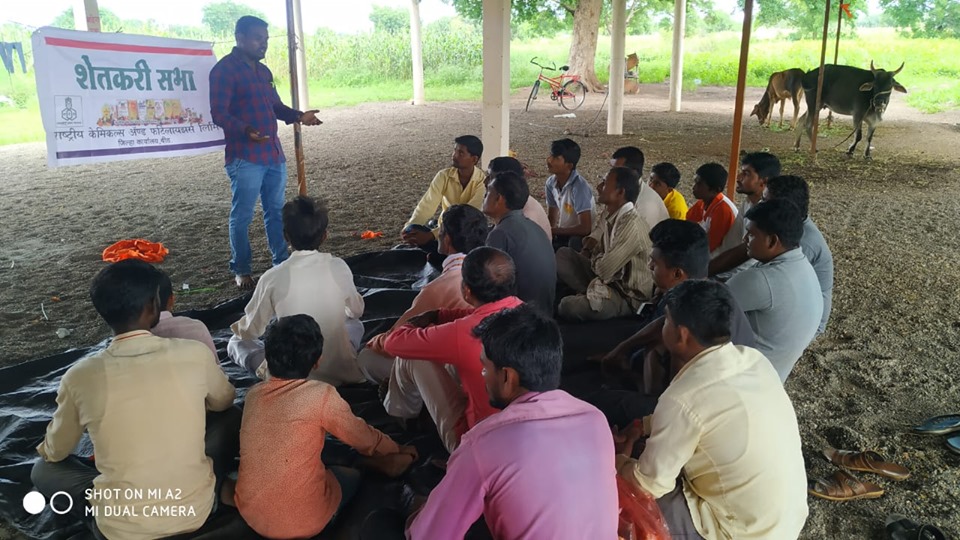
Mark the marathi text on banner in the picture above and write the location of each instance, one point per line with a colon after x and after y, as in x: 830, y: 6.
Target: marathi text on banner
x: 109, y: 97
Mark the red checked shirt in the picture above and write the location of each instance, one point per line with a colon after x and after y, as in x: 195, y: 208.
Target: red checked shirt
x: 451, y: 341
x: 244, y: 96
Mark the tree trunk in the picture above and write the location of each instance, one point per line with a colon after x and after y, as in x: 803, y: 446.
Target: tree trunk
x: 583, y: 48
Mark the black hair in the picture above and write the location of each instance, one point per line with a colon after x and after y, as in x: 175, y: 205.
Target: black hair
x: 632, y: 158
x: 292, y: 346
x: 471, y: 143
x: 778, y: 217
x: 713, y: 175
x: 513, y: 188
x: 505, y: 164
x: 684, y: 245
x: 793, y: 189
x: 668, y: 173
x: 490, y: 274
x: 766, y: 164
x: 525, y: 340
x: 628, y: 180
x: 305, y: 221
x: 248, y: 22
x: 568, y: 149
x: 466, y: 226
x: 120, y: 291
x: 704, y: 307
x: 164, y: 288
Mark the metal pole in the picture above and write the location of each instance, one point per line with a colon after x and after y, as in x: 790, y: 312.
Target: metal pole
x: 823, y: 56
x: 738, y: 106
x: 295, y: 95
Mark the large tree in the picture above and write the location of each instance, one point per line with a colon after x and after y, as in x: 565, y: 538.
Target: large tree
x: 925, y: 18
x: 805, y: 17
x: 221, y: 17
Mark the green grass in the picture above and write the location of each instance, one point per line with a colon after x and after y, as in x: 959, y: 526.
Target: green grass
x: 931, y: 75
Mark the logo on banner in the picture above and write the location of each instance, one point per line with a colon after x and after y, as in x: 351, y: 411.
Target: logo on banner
x: 69, y: 110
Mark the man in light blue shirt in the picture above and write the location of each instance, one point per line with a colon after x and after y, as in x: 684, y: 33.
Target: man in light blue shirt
x: 781, y: 295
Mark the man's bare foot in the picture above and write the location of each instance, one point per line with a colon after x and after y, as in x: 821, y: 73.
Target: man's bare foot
x: 227, y: 491
x: 244, y: 283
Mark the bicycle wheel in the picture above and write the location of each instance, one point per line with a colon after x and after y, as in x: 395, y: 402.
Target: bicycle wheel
x: 572, y: 95
x: 533, y: 94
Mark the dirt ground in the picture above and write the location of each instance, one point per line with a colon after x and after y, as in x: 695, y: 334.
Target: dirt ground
x: 889, y: 358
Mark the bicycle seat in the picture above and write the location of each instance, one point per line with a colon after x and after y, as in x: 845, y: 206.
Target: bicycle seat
x: 564, y: 68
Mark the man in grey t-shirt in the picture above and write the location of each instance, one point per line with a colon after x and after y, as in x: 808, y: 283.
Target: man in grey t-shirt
x: 781, y: 295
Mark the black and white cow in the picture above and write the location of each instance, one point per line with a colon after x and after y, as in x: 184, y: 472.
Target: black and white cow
x: 852, y: 91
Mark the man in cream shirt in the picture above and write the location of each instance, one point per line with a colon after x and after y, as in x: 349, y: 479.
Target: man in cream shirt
x: 723, y: 458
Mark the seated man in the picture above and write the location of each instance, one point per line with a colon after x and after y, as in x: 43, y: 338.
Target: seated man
x: 317, y: 284
x: 649, y: 204
x: 755, y: 170
x: 664, y: 179
x: 531, y: 251
x: 570, y: 206
x: 713, y: 210
x: 437, y: 354
x: 679, y: 253
x: 723, y: 458
x: 609, y: 275
x: 780, y: 295
x: 460, y: 184
x: 178, y: 327
x: 532, y: 209
x: 537, y: 469
x: 144, y: 401
x: 283, y: 488
x: 464, y: 228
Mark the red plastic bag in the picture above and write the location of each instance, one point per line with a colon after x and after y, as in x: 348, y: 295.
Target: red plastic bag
x: 138, y: 248
x: 640, y: 517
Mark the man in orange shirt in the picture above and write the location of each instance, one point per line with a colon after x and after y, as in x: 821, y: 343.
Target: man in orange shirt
x: 283, y: 489
x: 713, y: 210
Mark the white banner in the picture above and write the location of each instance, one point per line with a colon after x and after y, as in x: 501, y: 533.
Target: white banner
x: 110, y: 97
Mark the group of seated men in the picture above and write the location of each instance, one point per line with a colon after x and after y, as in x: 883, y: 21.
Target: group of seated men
x: 715, y: 439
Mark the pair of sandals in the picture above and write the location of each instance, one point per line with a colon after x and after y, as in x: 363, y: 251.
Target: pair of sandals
x: 901, y: 528
x: 843, y: 486
x: 947, y: 424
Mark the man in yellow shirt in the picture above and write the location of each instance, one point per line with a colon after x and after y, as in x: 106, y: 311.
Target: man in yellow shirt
x: 664, y: 178
x: 460, y: 184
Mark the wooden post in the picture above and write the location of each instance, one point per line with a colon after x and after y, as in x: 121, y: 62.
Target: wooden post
x: 676, y: 58
x: 836, y: 50
x: 495, y: 116
x: 295, y: 94
x: 86, y: 15
x: 303, y: 89
x: 738, y: 106
x: 823, y: 56
x: 617, y: 67
x: 416, y: 49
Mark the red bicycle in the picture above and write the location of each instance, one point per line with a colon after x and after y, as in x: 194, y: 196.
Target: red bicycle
x: 566, y: 89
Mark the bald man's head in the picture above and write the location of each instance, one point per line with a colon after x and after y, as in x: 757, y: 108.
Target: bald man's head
x: 489, y: 274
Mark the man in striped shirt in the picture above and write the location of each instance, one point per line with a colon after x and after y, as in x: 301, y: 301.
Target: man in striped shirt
x: 610, y: 275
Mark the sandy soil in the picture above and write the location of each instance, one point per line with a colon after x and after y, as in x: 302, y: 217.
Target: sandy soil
x: 889, y: 358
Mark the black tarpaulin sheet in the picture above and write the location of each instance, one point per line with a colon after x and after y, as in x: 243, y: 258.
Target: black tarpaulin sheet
x: 389, y: 281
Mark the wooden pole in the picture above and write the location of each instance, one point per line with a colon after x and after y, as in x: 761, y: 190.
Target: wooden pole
x: 823, y: 57
x: 86, y: 15
x: 676, y: 57
x: 738, y: 106
x: 836, y: 50
x: 295, y: 94
x: 416, y: 49
x: 617, y: 67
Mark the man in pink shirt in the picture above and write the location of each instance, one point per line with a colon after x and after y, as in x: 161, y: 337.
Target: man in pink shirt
x: 437, y: 364
x: 178, y: 327
x: 541, y: 468
x: 462, y: 229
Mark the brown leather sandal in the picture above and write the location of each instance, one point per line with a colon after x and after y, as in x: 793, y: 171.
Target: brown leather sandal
x: 842, y: 486
x: 866, y: 462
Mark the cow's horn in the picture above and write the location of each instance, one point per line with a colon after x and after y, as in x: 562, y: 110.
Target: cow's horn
x: 871, y: 66
x: 898, y: 69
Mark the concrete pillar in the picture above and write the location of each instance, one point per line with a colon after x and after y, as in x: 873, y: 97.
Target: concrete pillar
x: 617, y: 67
x: 416, y: 48
x: 495, y: 118
x: 86, y: 15
x: 676, y: 58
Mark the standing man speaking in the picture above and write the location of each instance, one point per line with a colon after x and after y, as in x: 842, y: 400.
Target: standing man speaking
x: 244, y: 102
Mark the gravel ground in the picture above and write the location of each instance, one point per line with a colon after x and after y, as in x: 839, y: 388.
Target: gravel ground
x: 888, y: 360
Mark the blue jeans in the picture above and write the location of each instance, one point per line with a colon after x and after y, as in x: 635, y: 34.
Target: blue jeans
x: 247, y: 182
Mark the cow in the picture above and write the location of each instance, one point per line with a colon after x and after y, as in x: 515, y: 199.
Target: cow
x: 782, y: 85
x: 849, y: 90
